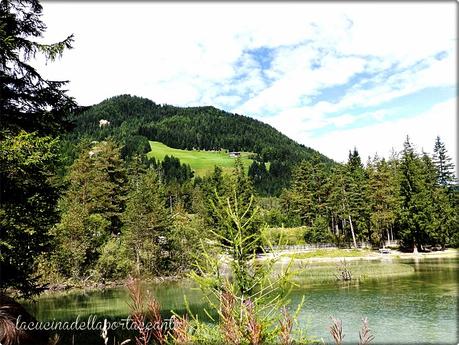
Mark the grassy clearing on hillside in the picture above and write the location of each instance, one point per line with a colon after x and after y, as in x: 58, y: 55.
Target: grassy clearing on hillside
x: 202, y: 162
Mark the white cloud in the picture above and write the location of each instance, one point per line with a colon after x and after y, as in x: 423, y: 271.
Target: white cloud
x: 199, y: 53
x: 122, y: 44
x: 382, y: 137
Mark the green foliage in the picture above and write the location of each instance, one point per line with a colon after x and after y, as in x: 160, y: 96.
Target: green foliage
x: 27, y: 162
x: 248, y: 304
x: 147, y: 224
x: 274, y: 214
x: 319, y: 232
x: 114, y: 260
x: 383, y: 199
x: 90, y: 208
x: 193, y: 129
x: 187, y: 232
x: 79, y: 235
x: 284, y: 236
x: 135, y: 145
x: 174, y: 172
x: 444, y: 166
x: 401, y: 198
x: 309, y: 189
x: 426, y: 214
x: 32, y: 111
x: 28, y: 101
x: 236, y: 190
x: 330, y: 253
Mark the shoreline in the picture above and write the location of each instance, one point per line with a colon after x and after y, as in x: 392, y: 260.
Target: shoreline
x: 282, y: 258
x: 69, y: 287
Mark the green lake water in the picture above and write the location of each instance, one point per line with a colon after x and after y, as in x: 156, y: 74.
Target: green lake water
x: 419, y: 308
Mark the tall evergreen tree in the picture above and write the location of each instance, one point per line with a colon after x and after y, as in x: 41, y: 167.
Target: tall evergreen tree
x: 383, y: 200
x: 90, y: 208
x: 443, y: 163
x: 415, y: 208
x: 309, y: 191
x: 32, y: 111
x: 357, y: 197
x: 147, y: 223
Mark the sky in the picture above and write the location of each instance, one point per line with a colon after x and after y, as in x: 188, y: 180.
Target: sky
x: 330, y: 75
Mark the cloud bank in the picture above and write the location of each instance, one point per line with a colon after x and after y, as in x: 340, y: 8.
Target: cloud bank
x: 331, y: 76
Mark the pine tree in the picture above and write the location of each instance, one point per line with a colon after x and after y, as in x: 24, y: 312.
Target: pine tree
x: 416, y: 208
x: 337, y: 202
x: 28, y: 101
x: 302, y: 198
x: 90, y: 208
x: 383, y: 200
x: 238, y: 191
x: 147, y: 224
x: 309, y: 191
x: 356, y: 188
x: 443, y: 164
x: 32, y: 113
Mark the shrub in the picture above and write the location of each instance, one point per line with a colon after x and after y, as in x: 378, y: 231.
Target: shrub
x: 319, y: 232
x: 114, y: 260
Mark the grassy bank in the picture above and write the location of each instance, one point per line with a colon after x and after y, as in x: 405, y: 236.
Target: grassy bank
x: 318, y: 272
x: 331, y: 253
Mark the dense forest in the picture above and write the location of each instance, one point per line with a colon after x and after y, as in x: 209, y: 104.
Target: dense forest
x: 410, y: 197
x: 80, y: 201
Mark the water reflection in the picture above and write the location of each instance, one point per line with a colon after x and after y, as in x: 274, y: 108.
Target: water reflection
x: 417, y: 308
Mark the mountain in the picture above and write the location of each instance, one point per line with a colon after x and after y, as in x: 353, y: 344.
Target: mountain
x: 135, y: 120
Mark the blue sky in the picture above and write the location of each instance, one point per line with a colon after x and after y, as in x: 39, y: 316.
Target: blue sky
x: 329, y: 75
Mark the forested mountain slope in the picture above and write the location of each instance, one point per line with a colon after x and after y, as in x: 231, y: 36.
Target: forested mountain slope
x: 205, y: 128
x: 133, y: 121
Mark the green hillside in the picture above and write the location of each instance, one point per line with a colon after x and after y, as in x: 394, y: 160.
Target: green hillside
x: 134, y: 122
x: 201, y: 161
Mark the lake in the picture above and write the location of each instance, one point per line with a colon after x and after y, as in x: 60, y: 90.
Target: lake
x: 418, y: 308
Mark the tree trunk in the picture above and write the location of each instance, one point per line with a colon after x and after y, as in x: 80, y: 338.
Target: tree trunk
x: 415, y: 248
x: 352, y: 232
x: 138, y: 262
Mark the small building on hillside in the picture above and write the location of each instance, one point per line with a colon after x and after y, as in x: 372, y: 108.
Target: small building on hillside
x: 103, y: 123
x: 234, y: 154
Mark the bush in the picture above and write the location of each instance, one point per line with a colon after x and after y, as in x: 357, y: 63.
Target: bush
x: 284, y: 236
x: 319, y: 232
x: 114, y: 261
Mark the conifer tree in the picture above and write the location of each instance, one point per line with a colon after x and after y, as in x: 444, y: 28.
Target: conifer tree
x: 383, y: 200
x: 302, y: 198
x: 415, y: 210
x: 90, y: 208
x: 355, y: 190
x: 443, y: 164
x: 147, y: 223
x: 32, y: 114
x: 338, y: 202
x: 310, y: 190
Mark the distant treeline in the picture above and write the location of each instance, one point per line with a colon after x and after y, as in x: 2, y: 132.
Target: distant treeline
x: 410, y: 197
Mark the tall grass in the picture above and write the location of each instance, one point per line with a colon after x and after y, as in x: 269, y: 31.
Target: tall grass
x: 323, y: 272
